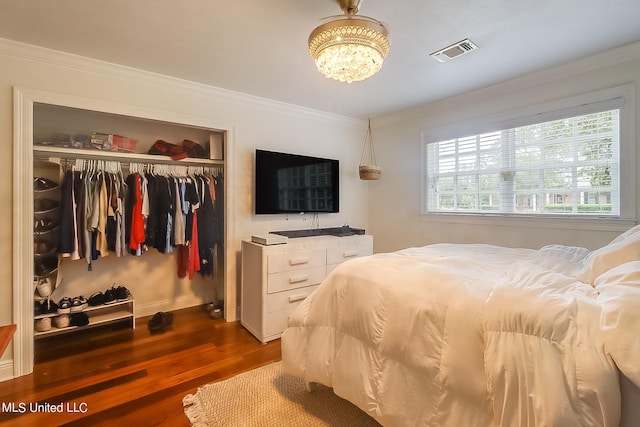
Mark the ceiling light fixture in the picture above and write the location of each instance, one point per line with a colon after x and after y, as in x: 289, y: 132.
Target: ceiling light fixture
x: 349, y: 48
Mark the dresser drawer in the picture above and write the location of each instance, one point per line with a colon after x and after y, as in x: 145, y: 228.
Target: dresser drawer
x: 296, y: 260
x: 286, y: 280
x: 341, y: 253
x: 281, y: 305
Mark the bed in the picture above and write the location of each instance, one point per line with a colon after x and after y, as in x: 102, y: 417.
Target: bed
x: 478, y: 335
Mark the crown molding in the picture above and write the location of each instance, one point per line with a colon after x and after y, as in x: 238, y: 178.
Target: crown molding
x: 28, y: 52
x: 626, y: 53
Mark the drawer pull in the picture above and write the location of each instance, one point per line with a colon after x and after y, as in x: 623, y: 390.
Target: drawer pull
x: 349, y: 254
x: 298, y: 261
x: 298, y: 279
x: 294, y: 298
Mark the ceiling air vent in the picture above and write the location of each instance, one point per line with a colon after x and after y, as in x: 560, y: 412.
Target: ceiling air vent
x: 453, y: 51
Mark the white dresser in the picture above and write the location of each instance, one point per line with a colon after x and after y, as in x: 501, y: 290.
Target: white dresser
x: 275, y: 279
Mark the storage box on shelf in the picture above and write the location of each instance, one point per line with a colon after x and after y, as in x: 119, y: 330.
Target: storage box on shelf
x: 276, y: 279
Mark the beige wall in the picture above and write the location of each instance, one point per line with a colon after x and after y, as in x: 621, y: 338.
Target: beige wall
x: 395, y: 200
x: 255, y: 123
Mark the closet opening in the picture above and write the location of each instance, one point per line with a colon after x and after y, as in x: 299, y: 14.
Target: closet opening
x: 112, y: 222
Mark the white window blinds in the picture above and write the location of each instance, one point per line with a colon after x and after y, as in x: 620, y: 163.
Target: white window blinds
x: 567, y: 166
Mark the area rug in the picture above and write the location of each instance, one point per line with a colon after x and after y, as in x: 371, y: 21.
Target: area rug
x: 268, y: 397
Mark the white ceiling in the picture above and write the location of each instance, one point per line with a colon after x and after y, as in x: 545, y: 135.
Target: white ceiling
x: 259, y: 47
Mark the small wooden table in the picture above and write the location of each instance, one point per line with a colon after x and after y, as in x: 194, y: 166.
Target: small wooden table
x: 6, y: 333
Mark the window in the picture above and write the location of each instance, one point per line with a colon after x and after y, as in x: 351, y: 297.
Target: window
x: 566, y: 166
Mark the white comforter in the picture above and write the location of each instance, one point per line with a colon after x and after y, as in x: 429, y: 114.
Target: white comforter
x: 470, y: 335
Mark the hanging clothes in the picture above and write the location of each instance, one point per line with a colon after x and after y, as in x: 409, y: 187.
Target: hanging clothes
x: 194, y: 252
x: 79, y: 212
x: 219, y: 208
x: 206, y: 228
x: 179, y: 213
x: 101, y: 215
x: 67, y: 230
x: 135, y: 230
x: 169, y: 209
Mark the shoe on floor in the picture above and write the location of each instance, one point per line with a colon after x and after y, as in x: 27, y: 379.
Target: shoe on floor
x: 160, y: 322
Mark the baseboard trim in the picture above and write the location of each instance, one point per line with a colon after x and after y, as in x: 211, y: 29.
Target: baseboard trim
x: 142, y: 310
x: 6, y: 370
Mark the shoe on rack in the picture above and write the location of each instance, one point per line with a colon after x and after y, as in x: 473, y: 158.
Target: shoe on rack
x: 78, y: 319
x: 43, y: 225
x: 42, y: 184
x: 96, y: 298
x: 43, y: 205
x: 42, y: 246
x: 78, y: 304
x: 39, y: 308
x: 61, y: 321
x: 45, y: 266
x: 44, y: 287
x: 122, y: 293
x: 50, y: 306
x: 64, y: 305
x: 160, y: 322
x: 43, y: 325
x: 45, y: 306
x: 110, y: 296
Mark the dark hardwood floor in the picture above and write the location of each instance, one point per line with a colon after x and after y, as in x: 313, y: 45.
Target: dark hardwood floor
x: 120, y: 376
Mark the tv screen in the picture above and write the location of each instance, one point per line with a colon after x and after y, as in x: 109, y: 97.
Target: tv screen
x: 291, y: 183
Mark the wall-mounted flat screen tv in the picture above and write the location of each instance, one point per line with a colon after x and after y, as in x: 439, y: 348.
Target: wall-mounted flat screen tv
x: 291, y: 183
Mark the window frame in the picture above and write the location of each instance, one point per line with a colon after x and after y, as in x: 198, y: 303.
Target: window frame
x: 620, y: 97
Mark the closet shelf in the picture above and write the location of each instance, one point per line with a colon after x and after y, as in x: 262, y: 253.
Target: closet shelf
x: 98, y: 316
x: 97, y: 321
x: 101, y: 307
x: 78, y: 153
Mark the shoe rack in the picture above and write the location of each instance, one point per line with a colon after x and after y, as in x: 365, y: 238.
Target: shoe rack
x: 46, y: 208
x: 119, y: 311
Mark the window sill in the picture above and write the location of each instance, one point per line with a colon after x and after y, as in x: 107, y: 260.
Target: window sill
x: 547, y: 222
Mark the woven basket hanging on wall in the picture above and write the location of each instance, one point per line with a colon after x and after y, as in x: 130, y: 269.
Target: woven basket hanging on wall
x: 370, y: 170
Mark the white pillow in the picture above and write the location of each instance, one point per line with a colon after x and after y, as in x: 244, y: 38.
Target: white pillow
x: 624, y: 248
x: 627, y: 274
x: 619, y: 301
x: 627, y: 234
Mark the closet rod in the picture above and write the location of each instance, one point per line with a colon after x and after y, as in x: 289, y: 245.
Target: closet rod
x: 46, y: 153
x: 170, y: 169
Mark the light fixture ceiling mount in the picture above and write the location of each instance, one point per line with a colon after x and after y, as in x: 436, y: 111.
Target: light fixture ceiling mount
x: 349, y: 47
